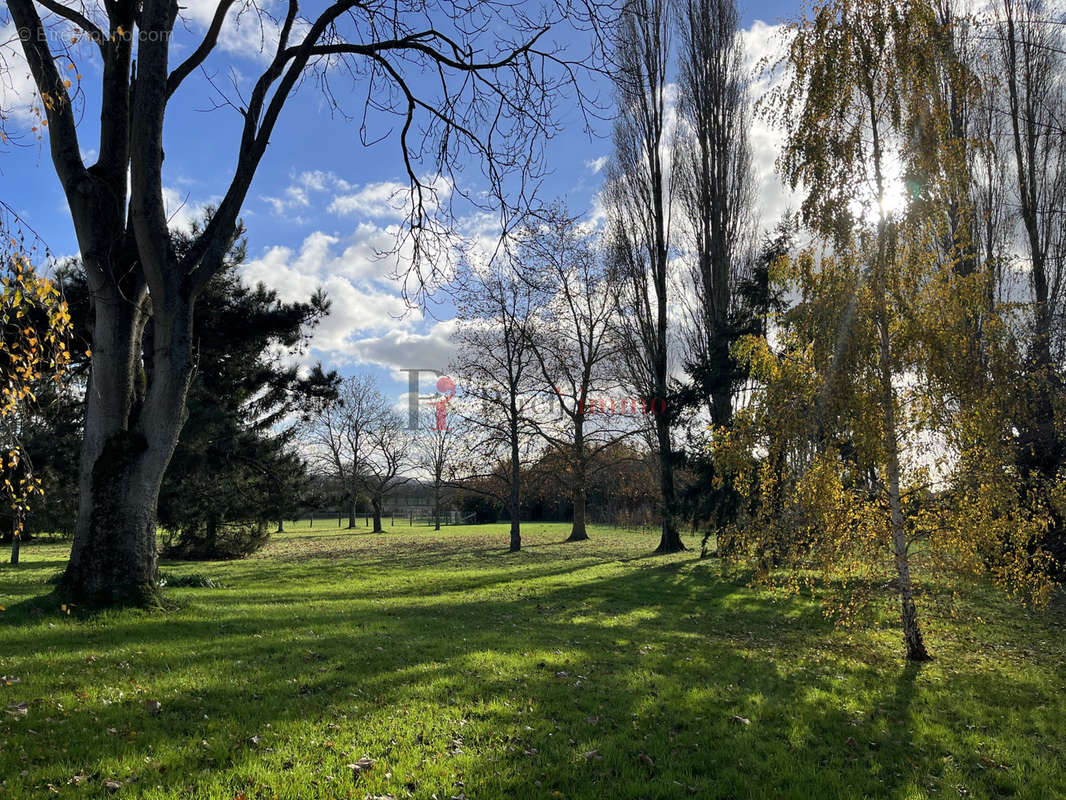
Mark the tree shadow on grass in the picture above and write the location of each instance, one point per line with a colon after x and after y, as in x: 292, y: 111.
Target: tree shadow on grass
x: 726, y: 692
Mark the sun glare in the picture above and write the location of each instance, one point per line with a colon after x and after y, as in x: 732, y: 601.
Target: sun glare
x: 866, y: 208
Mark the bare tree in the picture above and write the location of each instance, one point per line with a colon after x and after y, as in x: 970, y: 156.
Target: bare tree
x: 496, y: 83
x: 495, y: 368
x: 639, y: 197
x: 434, y: 448
x: 573, y: 341
x: 342, y: 434
x: 1032, y: 57
x: 386, y: 462
x: 716, y: 189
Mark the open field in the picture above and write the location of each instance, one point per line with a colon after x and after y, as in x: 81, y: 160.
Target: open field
x: 588, y: 670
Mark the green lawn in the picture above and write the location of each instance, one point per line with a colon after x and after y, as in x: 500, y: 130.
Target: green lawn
x: 589, y: 670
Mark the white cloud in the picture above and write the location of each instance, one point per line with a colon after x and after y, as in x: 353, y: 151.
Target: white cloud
x: 763, y: 43
x: 391, y: 199
x: 251, y: 29
x: 17, y: 89
x: 597, y: 164
x: 298, y: 193
x: 182, y: 211
x: 366, y: 304
x: 400, y: 349
x: 374, y: 200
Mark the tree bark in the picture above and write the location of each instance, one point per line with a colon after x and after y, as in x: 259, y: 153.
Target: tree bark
x: 351, y: 511
x: 376, y: 504
x: 670, y: 541
x: 579, y: 533
x: 912, y: 634
x: 16, y: 542
x: 132, y: 420
x: 514, y: 503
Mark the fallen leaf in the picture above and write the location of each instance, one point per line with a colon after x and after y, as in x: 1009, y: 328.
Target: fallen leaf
x: 593, y: 720
x: 18, y: 709
x: 645, y: 758
x: 740, y: 720
x: 153, y: 706
x: 114, y: 786
x: 364, y: 764
x: 594, y: 755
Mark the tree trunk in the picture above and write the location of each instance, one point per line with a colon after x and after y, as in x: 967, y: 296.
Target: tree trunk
x: 515, y: 499
x: 16, y: 542
x: 578, y: 532
x: 133, y: 416
x: 281, y: 526
x: 211, y: 548
x: 912, y: 634
x: 670, y: 542
x: 436, y: 508
x: 376, y: 504
x: 351, y: 511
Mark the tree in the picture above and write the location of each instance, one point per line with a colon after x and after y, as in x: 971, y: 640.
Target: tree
x: 34, y: 326
x: 494, y: 100
x: 572, y: 341
x: 434, y: 448
x: 495, y: 367
x: 843, y: 110
x: 340, y: 434
x: 387, y: 459
x: 639, y: 197
x: 715, y: 192
x: 1031, y: 58
x: 235, y: 461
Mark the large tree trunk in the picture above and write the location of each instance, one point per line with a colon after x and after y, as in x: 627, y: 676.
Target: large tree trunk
x: 376, y: 504
x: 133, y: 417
x: 16, y: 542
x: 436, y: 507
x: 351, y: 511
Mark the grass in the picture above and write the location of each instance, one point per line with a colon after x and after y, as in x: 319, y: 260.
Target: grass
x: 588, y: 670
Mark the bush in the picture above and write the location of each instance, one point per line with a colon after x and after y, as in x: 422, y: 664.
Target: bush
x: 216, y: 541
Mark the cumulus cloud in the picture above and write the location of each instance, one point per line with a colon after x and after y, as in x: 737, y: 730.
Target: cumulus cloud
x: 302, y: 186
x: 762, y: 44
x: 390, y: 199
x: 401, y: 349
x: 367, y: 312
x: 251, y: 30
x: 17, y: 90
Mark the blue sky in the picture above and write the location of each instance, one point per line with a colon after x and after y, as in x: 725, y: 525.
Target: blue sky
x: 318, y: 211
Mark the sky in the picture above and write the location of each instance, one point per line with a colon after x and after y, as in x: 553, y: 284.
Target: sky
x: 323, y: 206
